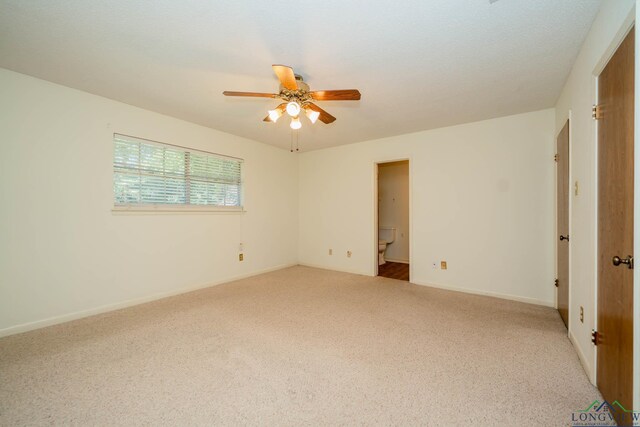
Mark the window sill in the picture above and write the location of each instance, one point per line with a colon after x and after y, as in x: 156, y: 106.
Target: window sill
x: 164, y: 209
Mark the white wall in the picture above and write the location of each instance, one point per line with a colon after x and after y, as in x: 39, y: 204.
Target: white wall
x: 576, y: 99
x: 64, y: 253
x: 393, y: 207
x: 482, y: 198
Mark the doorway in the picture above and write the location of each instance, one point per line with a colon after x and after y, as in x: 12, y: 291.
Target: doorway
x: 562, y: 279
x: 614, y: 336
x: 393, y: 220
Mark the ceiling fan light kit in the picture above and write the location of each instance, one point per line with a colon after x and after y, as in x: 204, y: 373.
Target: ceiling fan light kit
x: 293, y: 109
x: 274, y: 115
x: 295, y: 123
x: 297, y: 97
x: 312, y: 115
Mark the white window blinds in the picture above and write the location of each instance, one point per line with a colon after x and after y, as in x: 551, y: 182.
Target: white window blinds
x: 147, y: 173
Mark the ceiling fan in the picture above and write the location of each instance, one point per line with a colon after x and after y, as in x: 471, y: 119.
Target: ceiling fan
x: 298, y: 98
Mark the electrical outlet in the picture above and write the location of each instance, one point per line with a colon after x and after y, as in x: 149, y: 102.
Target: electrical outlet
x: 348, y: 254
x: 241, y: 257
x: 581, y: 314
x: 443, y: 265
x: 330, y: 251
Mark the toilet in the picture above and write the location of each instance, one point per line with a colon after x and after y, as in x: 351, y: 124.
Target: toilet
x: 386, y: 236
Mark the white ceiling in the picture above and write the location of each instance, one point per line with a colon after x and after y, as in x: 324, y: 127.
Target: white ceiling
x: 419, y: 64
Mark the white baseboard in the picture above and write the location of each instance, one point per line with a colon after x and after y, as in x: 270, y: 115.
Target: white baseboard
x: 487, y: 293
x: 342, y: 270
x: 583, y: 359
x: 401, y: 261
x: 25, y: 327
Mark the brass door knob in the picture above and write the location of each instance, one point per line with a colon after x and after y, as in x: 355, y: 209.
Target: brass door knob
x: 628, y: 261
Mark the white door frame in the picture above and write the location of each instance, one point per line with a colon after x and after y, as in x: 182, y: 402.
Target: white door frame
x: 571, y: 195
x: 375, y: 212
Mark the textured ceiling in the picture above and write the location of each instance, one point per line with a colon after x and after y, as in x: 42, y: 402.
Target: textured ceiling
x: 418, y: 64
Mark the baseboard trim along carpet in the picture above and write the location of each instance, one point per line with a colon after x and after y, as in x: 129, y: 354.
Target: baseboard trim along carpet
x: 527, y: 300
x: 583, y: 359
x: 330, y: 268
x: 25, y: 327
x: 487, y: 293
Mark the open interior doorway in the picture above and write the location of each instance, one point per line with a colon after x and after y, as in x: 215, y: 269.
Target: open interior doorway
x: 562, y: 218
x: 393, y: 219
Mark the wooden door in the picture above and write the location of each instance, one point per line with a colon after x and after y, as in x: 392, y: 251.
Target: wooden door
x: 562, y: 281
x: 615, y: 225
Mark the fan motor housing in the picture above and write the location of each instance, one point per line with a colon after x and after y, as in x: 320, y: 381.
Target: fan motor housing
x: 302, y: 86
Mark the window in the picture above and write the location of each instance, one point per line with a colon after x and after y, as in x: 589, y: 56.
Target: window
x: 155, y: 175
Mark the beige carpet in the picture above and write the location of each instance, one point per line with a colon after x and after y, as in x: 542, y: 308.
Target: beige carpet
x: 299, y: 346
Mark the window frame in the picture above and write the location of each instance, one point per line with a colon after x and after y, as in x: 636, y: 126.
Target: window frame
x: 177, y: 207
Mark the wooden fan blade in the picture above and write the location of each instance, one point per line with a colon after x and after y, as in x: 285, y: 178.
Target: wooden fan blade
x: 324, y: 116
x: 336, y: 95
x: 286, y: 76
x: 280, y: 107
x: 252, y: 94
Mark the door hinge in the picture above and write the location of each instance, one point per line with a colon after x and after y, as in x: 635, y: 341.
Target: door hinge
x: 596, y: 112
x: 555, y: 158
x: 595, y: 337
x: 556, y: 283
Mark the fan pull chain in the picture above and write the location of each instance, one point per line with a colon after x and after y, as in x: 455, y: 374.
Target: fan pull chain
x: 291, y: 147
x: 297, y: 141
